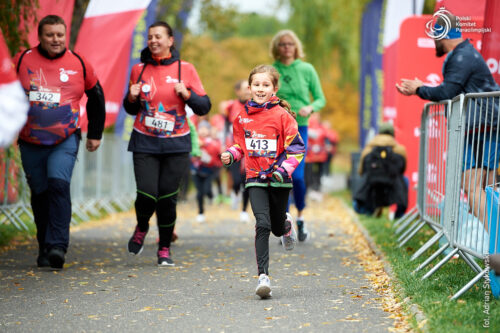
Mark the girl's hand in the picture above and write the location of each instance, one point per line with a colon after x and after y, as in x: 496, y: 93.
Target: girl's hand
x: 181, y: 90
x: 134, y: 91
x: 306, y: 111
x: 225, y: 158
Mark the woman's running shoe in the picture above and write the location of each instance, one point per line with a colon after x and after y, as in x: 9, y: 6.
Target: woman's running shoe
x: 136, y: 242
x: 164, y: 257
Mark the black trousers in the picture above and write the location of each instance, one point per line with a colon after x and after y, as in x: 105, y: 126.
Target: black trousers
x: 158, y: 177
x: 203, y: 183
x: 269, y: 208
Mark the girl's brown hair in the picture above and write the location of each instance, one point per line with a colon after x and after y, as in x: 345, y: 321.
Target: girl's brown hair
x: 275, y: 77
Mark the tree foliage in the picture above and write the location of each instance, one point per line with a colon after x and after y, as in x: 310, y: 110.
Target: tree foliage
x: 16, y: 18
x: 221, y: 63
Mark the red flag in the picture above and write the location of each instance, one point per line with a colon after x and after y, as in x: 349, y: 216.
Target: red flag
x: 491, y: 38
x: 60, y: 8
x: 104, y: 40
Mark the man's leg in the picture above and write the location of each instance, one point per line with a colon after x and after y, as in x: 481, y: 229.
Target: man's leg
x: 60, y: 166
x: 34, y: 161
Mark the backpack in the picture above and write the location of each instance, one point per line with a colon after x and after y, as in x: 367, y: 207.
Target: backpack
x: 382, y: 166
x: 382, y: 169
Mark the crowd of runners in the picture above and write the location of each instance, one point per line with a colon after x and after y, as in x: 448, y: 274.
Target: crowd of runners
x: 265, y: 147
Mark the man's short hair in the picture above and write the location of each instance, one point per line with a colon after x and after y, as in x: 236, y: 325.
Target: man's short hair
x: 50, y: 19
x: 386, y: 128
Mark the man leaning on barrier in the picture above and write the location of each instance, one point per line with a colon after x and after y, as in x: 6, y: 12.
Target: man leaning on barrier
x: 55, y: 80
x: 465, y: 71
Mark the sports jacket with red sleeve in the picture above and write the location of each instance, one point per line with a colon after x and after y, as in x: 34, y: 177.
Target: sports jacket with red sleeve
x: 54, y: 86
x: 268, y: 137
x: 161, y: 125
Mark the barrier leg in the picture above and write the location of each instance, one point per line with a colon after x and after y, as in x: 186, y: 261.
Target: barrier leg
x: 410, y: 233
x: 427, y: 245
x: 470, y: 284
x: 439, y: 264
x: 431, y: 258
x: 410, y: 220
x: 408, y: 215
x: 470, y: 261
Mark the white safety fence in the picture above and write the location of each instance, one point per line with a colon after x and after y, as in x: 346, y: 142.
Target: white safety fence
x: 103, y: 183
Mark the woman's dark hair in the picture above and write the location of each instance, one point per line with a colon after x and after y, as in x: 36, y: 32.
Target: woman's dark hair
x: 170, y: 32
x: 50, y: 20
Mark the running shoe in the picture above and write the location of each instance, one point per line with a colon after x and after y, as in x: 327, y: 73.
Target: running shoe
x: 200, y: 218
x: 303, y: 233
x: 164, y: 257
x: 244, y: 217
x: 263, y: 289
x: 56, y: 258
x: 136, y: 242
x: 289, y: 239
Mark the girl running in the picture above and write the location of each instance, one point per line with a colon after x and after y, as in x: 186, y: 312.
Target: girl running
x: 161, y: 140
x: 266, y: 134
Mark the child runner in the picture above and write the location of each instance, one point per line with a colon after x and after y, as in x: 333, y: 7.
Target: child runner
x: 237, y: 169
x: 266, y: 134
x: 206, y: 167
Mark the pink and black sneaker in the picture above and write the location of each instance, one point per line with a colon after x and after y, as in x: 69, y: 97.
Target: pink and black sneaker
x: 164, y: 257
x: 136, y: 243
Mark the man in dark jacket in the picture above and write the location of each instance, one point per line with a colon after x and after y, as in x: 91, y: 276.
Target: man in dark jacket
x: 465, y: 71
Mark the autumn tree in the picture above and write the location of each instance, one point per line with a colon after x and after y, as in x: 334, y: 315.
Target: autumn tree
x: 15, y: 18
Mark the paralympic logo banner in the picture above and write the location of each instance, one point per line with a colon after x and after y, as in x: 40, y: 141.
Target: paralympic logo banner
x: 491, y: 40
x: 104, y: 39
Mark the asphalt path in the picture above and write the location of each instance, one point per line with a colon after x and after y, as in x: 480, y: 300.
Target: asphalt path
x: 320, y: 286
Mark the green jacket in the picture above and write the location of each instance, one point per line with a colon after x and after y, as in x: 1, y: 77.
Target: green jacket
x: 298, y: 81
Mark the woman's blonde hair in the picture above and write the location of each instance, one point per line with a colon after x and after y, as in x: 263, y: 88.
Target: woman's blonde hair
x: 275, y: 78
x: 274, y: 46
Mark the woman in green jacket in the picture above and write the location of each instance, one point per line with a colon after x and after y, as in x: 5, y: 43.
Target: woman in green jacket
x: 298, y: 83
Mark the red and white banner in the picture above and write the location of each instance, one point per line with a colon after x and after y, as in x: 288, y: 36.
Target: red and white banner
x: 416, y: 58
x: 491, y: 38
x: 396, y: 11
x: 104, y: 39
x: 60, y: 8
x: 462, y: 8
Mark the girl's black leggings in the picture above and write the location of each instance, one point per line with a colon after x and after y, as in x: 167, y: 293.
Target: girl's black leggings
x: 269, y: 208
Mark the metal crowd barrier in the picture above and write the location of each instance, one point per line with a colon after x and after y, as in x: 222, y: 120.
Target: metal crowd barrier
x: 457, y: 198
x: 431, y: 182
x: 102, y: 183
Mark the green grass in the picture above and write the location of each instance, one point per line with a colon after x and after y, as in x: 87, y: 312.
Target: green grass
x: 8, y: 232
x: 433, y: 294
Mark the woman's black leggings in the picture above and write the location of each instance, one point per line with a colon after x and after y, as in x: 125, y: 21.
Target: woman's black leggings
x: 158, y: 177
x: 269, y: 208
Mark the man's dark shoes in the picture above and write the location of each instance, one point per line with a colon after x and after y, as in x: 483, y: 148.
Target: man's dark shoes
x: 43, y: 259
x: 56, y: 257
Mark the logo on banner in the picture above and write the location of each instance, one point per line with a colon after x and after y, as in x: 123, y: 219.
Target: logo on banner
x: 442, y: 31
x: 438, y: 33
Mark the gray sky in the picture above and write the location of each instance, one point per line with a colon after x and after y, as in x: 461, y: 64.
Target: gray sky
x: 268, y: 7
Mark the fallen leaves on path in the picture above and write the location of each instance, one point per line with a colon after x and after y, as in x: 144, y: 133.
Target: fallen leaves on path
x: 373, y: 266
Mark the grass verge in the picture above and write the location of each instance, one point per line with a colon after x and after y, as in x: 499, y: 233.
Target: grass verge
x: 470, y: 313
